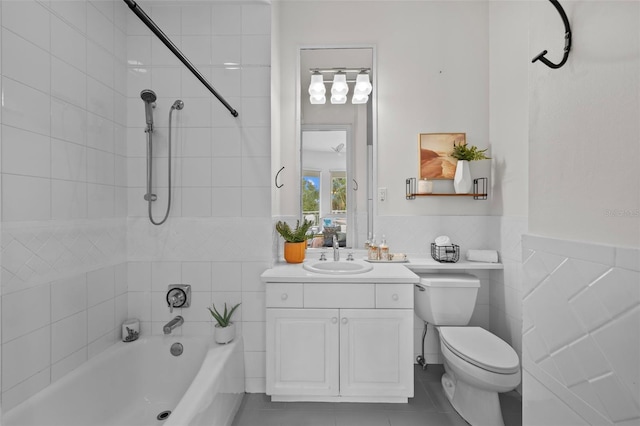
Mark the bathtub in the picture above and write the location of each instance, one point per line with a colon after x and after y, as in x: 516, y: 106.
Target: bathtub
x: 133, y: 383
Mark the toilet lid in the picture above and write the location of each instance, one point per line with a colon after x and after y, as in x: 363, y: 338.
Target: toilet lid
x: 481, y: 348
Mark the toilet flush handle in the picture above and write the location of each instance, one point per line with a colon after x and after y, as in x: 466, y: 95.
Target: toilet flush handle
x: 419, y: 287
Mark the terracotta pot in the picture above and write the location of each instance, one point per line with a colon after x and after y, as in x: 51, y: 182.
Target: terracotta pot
x: 294, y: 252
x: 224, y: 335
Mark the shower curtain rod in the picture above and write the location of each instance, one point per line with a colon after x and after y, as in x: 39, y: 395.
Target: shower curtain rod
x: 158, y: 32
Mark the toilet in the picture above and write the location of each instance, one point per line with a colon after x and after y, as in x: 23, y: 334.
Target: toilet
x: 478, y: 365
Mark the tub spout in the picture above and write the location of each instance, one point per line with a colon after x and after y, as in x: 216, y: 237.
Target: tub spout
x: 176, y: 322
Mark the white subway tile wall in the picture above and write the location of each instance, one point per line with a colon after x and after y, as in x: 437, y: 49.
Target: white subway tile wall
x: 218, y: 238
x: 49, y: 329
x: 73, y: 168
x: 63, y: 188
x: 581, y: 341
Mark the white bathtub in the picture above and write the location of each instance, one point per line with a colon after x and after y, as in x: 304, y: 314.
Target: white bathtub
x: 131, y: 383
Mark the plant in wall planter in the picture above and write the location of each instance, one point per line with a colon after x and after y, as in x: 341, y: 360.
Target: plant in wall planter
x: 225, y: 330
x: 462, y: 181
x: 295, y: 240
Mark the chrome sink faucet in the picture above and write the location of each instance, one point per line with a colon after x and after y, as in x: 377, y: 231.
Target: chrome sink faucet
x: 176, y: 322
x: 336, y: 246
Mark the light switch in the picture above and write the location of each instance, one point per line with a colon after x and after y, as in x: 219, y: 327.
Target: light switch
x: 382, y: 194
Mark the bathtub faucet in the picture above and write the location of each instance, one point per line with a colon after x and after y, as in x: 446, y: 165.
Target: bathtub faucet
x: 176, y: 322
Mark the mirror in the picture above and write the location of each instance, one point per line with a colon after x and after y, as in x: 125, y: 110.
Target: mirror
x: 336, y: 149
x: 325, y: 155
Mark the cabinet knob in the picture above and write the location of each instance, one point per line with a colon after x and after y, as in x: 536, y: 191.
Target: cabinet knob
x: 395, y: 297
x: 284, y: 296
x: 345, y: 320
x: 334, y: 320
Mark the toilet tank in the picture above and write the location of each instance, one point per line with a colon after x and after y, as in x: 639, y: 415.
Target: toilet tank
x: 446, y: 299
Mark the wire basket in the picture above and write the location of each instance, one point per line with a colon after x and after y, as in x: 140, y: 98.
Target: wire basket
x: 445, y: 254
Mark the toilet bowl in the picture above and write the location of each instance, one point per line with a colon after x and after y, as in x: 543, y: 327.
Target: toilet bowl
x: 478, y: 364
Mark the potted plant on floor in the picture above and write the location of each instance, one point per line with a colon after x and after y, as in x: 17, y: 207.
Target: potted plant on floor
x: 225, y: 330
x: 295, y: 240
x: 464, y: 153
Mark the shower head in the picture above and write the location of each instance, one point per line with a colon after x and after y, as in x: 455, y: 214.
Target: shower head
x: 149, y: 97
x: 178, y: 105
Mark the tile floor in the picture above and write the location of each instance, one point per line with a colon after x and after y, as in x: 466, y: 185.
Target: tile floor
x: 429, y: 407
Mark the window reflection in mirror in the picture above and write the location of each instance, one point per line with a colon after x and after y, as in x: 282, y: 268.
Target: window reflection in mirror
x: 325, y: 153
x: 336, y: 180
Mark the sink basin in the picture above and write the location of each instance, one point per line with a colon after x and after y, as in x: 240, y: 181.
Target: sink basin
x: 341, y: 267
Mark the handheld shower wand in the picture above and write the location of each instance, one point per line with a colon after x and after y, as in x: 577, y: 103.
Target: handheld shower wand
x: 149, y: 98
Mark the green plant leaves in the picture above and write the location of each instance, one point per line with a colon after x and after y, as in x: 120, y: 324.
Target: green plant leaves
x: 224, y: 318
x: 469, y: 153
x: 297, y: 235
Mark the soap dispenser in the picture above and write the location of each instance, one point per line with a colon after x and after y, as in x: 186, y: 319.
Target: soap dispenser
x: 384, y: 249
x: 373, y: 253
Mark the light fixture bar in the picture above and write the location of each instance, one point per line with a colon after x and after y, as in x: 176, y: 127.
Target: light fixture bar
x: 339, y: 85
x: 334, y: 70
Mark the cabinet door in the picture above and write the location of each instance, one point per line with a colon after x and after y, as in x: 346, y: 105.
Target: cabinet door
x: 376, y: 352
x: 302, y: 352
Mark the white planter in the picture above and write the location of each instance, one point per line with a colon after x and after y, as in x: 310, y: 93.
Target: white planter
x: 224, y: 335
x: 462, y: 181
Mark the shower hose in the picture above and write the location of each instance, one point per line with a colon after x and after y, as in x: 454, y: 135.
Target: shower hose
x: 152, y: 197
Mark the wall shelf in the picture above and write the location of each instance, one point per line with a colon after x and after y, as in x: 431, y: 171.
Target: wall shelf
x: 479, y: 190
x: 447, y: 195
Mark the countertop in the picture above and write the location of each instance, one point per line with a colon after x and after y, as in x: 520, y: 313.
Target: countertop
x: 381, y: 272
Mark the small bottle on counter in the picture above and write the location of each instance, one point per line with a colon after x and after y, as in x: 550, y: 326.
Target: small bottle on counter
x: 368, y: 242
x: 373, y: 253
x: 384, y: 249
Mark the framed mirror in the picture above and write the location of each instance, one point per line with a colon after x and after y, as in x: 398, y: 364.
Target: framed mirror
x: 337, y: 146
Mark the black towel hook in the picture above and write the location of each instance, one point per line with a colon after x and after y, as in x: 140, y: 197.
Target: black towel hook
x: 567, y: 40
x: 276, y: 179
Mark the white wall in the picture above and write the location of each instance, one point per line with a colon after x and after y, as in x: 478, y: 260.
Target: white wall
x: 509, y: 106
x: 63, y: 188
x: 431, y: 77
x: 584, y: 126
x: 581, y: 302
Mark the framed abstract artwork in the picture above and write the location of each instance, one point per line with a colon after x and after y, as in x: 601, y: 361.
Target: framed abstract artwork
x: 434, y: 151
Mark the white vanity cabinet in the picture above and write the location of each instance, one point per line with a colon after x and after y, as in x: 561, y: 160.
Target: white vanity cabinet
x: 339, y: 341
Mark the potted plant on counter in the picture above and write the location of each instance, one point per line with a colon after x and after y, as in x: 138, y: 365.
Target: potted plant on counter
x: 225, y: 330
x: 464, y: 153
x: 295, y: 240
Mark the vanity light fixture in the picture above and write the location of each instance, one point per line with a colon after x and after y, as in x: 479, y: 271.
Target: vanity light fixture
x: 363, y: 85
x: 340, y: 85
x: 317, y: 89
